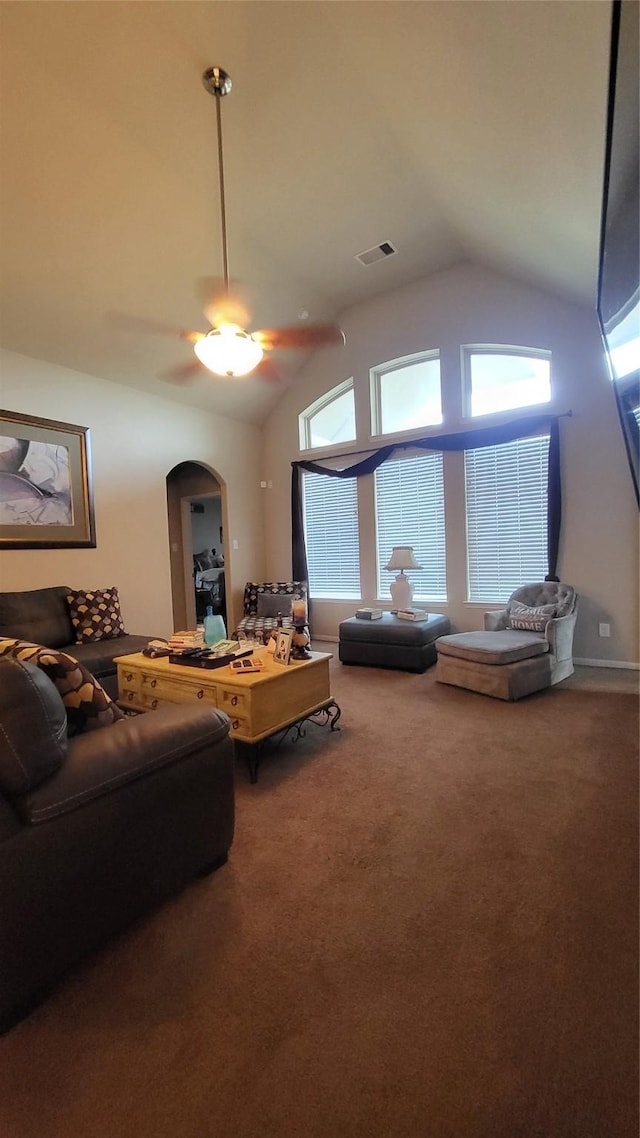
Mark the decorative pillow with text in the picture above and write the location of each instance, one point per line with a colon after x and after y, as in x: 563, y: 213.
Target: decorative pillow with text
x: 87, y: 704
x: 530, y: 619
x: 95, y: 615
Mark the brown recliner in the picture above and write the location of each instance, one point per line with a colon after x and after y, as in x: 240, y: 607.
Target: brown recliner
x: 98, y: 828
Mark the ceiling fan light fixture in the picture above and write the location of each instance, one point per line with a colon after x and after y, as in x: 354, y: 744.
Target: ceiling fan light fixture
x: 229, y: 351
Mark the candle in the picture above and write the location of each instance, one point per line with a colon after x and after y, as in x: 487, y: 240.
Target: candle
x: 299, y: 611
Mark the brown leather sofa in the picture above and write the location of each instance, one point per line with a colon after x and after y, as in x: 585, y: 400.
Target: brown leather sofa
x: 41, y: 616
x: 98, y: 828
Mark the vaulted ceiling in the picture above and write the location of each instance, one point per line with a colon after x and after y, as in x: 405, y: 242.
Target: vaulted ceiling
x: 455, y: 130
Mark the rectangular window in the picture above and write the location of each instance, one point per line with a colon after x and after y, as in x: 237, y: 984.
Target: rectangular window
x: 331, y: 534
x: 409, y: 494
x: 502, y: 380
x: 506, y: 495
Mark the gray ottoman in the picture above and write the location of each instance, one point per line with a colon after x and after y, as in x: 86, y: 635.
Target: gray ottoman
x: 390, y: 642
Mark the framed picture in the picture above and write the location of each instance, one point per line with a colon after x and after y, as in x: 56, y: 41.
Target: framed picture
x: 46, y: 496
x: 282, y: 649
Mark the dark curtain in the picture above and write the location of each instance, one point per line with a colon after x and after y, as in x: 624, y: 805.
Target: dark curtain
x: 462, y: 440
x: 299, y: 549
x: 554, y: 501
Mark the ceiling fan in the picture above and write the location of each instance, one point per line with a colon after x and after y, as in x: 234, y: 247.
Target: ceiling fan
x: 227, y: 349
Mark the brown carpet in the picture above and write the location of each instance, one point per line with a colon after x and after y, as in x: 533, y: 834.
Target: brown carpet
x: 427, y: 927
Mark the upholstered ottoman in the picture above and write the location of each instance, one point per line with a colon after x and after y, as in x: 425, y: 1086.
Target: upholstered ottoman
x: 506, y: 665
x: 390, y: 642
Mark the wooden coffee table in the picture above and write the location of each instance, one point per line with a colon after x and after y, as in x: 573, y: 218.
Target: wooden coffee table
x: 260, y: 705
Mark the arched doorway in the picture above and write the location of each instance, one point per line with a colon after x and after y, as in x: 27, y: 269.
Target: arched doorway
x: 196, y: 507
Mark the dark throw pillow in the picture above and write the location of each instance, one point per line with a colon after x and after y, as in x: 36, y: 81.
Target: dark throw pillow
x: 95, y: 615
x: 87, y: 704
x: 270, y: 604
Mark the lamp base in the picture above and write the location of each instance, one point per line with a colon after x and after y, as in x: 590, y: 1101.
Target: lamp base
x: 401, y: 592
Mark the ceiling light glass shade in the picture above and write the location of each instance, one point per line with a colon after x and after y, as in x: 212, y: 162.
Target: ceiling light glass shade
x: 402, y: 558
x: 228, y: 351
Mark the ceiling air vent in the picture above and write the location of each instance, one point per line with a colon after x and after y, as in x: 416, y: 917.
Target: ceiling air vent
x: 377, y: 253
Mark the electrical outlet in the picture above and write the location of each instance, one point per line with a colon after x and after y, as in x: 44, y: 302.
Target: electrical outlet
x: 604, y: 630
x: 234, y: 543
x: 263, y: 486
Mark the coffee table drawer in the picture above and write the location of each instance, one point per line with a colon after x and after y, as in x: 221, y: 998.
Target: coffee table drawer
x: 240, y: 727
x: 129, y: 695
x: 175, y: 690
x: 233, y: 702
x: 128, y: 680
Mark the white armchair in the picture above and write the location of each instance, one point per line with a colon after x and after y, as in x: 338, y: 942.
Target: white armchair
x: 525, y: 647
x: 558, y: 631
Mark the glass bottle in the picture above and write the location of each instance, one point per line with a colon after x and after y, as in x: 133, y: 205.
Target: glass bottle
x: 214, y: 629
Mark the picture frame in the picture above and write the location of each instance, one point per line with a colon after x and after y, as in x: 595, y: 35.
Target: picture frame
x: 282, y: 650
x: 46, y: 491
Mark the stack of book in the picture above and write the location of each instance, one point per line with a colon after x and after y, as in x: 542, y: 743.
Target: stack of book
x: 181, y: 640
x: 368, y: 614
x: 412, y: 614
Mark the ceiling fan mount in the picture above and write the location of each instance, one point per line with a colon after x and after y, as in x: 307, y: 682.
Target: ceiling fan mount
x: 216, y: 81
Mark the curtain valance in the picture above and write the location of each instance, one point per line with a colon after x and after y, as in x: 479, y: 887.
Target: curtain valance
x: 457, y: 441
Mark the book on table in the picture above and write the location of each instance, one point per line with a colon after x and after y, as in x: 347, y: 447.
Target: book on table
x: 412, y: 614
x: 368, y: 614
x: 186, y: 639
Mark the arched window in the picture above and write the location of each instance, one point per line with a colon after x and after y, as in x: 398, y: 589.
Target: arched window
x: 406, y: 394
x: 504, y: 379
x: 329, y: 421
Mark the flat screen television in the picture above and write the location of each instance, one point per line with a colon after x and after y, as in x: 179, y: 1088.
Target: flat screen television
x: 618, y: 303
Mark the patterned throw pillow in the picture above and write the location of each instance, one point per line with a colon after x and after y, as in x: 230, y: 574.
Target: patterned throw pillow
x: 95, y: 615
x: 87, y: 704
x: 530, y: 619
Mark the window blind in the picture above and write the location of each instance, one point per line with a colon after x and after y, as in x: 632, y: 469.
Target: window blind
x: 409, y: 496
x: 506, y: 504
x: 331, y: 534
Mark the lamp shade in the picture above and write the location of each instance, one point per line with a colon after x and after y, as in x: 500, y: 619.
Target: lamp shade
x: 402, y: 558
x: 228, y: 351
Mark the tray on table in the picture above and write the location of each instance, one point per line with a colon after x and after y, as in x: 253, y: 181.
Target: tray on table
x: 205, y: 660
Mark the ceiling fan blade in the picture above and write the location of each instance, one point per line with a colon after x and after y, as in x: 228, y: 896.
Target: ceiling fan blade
x: 184, y: 373
x: 147, y: 326
x: 299, y: 336
x: 221, y: 305
x: 266, y: 369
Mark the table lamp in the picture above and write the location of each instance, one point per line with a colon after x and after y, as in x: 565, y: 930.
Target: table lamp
x: 401, y: 588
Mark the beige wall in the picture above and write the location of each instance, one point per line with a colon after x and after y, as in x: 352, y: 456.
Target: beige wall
x: 599, y: 549
x: 136, y: 439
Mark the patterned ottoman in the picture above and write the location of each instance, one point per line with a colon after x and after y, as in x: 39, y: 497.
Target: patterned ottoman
x: 390, y: 642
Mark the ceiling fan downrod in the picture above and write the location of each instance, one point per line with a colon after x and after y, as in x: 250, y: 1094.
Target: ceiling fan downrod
x: 218, y: 83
